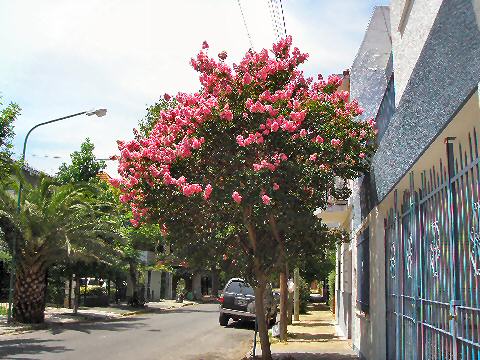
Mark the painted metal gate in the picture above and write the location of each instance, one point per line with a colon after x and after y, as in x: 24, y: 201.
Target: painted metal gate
x: 432, y: 243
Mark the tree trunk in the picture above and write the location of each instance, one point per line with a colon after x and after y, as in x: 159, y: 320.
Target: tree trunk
x: 29, y: 297
x: 283, y: 304
x: 132, y: 268
x: 260, y: 313
x: 215, y: 281
x: 70, y: 284
x: 282, y: 264
x: 76, y: 294
x: 260, y: 288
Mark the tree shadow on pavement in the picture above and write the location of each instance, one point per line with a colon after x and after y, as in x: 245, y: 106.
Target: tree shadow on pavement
x: 306, y: 356
x: 313, y: 324
x: 29, y: 347
x: 87, y: 327
x: 304, y: 337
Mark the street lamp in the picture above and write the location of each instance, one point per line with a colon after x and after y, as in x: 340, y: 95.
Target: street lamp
x: 97, y: 112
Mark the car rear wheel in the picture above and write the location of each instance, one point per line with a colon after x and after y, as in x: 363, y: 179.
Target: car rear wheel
x: 223, y: 320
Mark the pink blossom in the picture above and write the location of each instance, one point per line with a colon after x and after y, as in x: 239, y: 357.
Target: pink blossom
x: 205, y: 45
x: 115, y: 182
x: 247, y: 78
x: 275, y: 186
x: 207, y: 192
x: 336, y: 142
x: 274, y: 127
x: 240, y: 140
x: 237, y: 197
x: 167, y: 97
x: 362, y: 155
x: 226, y: 113
x: 222, y: 55
x: 266, y: 199
x: 303, y: 133
x: 313, y: 157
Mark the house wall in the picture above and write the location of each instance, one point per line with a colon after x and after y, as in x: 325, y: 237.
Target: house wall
x: 408, y: 46
x: 369, y: 331
x: 155, y: 285
x: 343, y: 304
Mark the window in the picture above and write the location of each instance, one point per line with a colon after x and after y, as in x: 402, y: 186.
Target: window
x: 234, y: 287
x: 247, y: 290
x: 407, y: 9
x: 363, y: 271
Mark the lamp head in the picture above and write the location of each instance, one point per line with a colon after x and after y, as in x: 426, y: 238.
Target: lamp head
x: 98, y: 112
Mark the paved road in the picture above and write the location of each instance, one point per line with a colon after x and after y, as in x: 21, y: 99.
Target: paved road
x: 189, y: 333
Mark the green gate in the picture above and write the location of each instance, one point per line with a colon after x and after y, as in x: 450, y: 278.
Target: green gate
x: 432, y: 243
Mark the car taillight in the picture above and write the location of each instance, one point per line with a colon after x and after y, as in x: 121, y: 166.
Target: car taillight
x: 220, y: 299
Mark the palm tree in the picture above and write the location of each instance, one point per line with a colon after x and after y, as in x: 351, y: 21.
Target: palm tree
x: 55, y: 222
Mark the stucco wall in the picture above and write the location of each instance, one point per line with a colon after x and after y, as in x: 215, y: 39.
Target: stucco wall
x: 368, y: 333
x: 370, y: 70
x: 407, y: 47
x: 155, y: 285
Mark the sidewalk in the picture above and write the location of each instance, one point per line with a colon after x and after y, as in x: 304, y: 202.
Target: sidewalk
x: 58, y: 316
x: 313, y: 338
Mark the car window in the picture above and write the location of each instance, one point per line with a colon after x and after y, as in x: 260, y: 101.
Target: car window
x: 233, y: 287
x: 247, y: 290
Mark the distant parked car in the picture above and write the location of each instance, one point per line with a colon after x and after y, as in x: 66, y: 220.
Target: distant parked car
x: 238, y: 303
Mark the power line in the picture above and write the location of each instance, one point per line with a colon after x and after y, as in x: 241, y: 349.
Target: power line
x: 245, y: 23
x: 57, y: 157
x: 278, y: 18
x: 283, y: 17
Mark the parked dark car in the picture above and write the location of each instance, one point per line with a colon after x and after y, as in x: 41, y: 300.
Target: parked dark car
x: 238, y: 303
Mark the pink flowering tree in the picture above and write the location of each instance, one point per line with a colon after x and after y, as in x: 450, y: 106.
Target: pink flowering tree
x: 256, y: 148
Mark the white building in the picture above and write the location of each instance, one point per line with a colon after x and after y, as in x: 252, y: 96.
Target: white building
x: 409, y: 280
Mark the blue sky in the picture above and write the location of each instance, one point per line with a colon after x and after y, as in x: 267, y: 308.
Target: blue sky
x: 64, y: 56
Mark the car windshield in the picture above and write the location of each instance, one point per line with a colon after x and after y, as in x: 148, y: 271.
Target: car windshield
x: 247, y: 290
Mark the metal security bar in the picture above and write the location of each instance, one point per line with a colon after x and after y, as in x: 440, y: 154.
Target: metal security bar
x: 432, y: 247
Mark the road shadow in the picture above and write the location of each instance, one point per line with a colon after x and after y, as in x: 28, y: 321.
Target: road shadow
x: 186, y: 310
x: 245, y: 325
x: 29, y: 347
x: 87, y: 327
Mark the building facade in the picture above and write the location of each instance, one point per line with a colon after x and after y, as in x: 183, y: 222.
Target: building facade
x: 413, y: 261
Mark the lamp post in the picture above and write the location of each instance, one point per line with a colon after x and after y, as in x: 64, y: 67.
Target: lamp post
x: 99, y: 113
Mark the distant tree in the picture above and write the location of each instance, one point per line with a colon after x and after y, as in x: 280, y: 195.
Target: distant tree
x: 7, y: 117
x: 84, y: 165
x: 146, y: 124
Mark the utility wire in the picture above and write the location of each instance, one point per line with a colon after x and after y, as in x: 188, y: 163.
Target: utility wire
x: 283, y: 16
x: 278, y: 18
x: 245, y: 23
